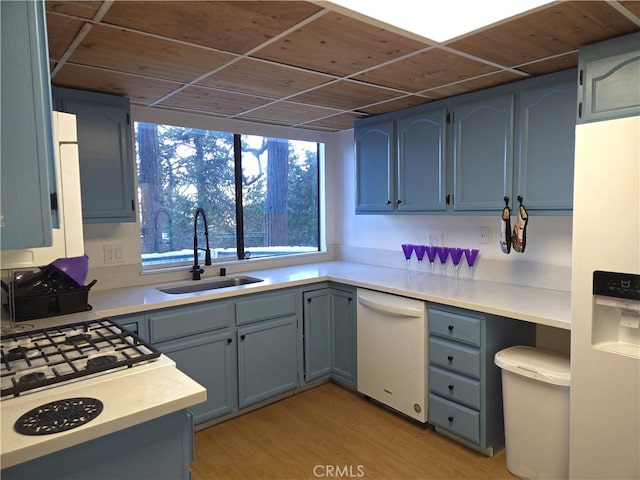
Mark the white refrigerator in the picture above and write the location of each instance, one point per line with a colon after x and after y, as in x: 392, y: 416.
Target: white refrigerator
x: 605, y: 339
x: 67, y: 235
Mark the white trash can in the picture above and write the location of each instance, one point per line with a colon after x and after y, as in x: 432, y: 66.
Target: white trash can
x: 535, y: 389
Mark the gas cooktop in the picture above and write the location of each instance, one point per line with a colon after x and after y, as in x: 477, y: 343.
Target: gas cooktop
x: 37, y: 359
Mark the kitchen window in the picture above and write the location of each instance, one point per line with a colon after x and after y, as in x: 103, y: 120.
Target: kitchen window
x: 260, y: 194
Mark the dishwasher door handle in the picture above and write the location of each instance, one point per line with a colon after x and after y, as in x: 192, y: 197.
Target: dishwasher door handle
x: 394, y: 310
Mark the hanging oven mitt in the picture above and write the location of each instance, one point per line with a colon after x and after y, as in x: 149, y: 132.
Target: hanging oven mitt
x: 519, y: 236
x: 505, y: 229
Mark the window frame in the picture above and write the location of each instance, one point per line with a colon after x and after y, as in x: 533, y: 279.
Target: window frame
x: 237, y: 129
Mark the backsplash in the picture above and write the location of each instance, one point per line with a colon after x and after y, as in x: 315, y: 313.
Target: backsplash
x: 514, y: 271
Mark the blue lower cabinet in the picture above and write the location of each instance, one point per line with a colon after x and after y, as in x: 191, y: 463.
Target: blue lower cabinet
x: 136, y: 323
x: 330, y: 335
x: 267, y: 359
x: 155, y: 450
x: 317, y: 334
x: 343, y: 336
x: 459, y: 420
x: 210, y: 360
x: 465, y: 386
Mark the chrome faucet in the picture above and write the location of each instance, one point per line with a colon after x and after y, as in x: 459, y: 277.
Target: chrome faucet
x: 196, y: 270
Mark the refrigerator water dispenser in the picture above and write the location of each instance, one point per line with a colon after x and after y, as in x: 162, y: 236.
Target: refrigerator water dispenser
x: 616, y: 313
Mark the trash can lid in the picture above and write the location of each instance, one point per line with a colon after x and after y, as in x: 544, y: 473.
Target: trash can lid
x: 549, y: 367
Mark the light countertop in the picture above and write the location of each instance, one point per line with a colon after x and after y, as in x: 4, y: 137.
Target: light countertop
x: 130, y: 397
x: 536, y: 305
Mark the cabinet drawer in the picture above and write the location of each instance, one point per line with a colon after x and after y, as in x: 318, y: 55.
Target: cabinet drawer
x: 457, y: 327
x: 182, y: 321
x: 455, y: 356
x: 454, y: 387
x: 263, y: 307
x: 454, y: 418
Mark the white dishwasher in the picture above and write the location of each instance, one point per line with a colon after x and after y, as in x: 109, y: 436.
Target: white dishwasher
x: 392, y: 351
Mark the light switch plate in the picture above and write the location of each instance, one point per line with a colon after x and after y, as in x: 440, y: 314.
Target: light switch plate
x: 483, y: 238
x: 114, y: 253
x: 435, y: 239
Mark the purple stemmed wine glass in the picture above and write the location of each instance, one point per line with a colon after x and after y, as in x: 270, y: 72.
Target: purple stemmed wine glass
x: 407, y: 249
x: 456, y: 256
x: 471, y: 255
x: 443, y: 253
x: 420, y: 251
x: 431, y: 254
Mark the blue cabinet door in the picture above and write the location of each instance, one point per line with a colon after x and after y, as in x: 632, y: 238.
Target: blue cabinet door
x: 422, y: 162
x: 209, y: 359
x: 343, y: 333
x: 545, y: 147
x: 28, y: 172
x: 106, y: 159
x: 483, y: 153
x: 609, y: 79
x: 375, y: 163
x: 317, y: 334
x: 136, y: 323
x: 267, y: 359
x: 160, y: 449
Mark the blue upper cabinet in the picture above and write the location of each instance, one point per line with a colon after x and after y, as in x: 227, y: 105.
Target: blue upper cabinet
x: 482, y: 153
x: 421, y: 168
x: 609, y: 79
x: 106, y: 154
x: 401, y: 164
x: 28, y: 172
x: 545, y: 147
x: 515, y: 140
x: 375, y: 161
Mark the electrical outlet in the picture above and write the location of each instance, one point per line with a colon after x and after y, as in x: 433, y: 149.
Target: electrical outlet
x: 113, y: 253
x: 483, y: 237
x: 435, y: 239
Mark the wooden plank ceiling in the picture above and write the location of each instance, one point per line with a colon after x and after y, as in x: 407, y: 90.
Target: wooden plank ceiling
x: 301, y: 64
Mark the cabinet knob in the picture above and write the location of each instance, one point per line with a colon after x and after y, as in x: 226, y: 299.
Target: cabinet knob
x: 450, y: 327
x: 450, y: 358
x: 242, y: 337
x: 450, y: 419
x: 229, y: 340
x: 308, y: 300
x: 398, y: 202
x: 388, y: 202
x: 451, y: 388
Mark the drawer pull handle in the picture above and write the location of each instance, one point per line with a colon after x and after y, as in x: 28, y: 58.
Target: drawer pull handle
x: 451, y: 388
x: 450, y: 327
x: 450, y: 419
x: 450, y: 358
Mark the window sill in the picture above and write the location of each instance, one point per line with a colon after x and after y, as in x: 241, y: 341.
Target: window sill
x: 240, y: 266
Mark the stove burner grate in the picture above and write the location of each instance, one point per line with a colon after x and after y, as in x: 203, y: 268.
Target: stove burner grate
x: 68, y: 352
x: 58, y: 416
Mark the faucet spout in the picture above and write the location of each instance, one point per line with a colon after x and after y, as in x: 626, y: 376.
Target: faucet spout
x: 197, y: 270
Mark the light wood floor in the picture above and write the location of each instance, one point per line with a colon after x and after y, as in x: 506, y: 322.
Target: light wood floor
x: 330, y: 432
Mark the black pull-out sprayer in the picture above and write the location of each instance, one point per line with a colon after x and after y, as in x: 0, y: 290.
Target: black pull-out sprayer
x: 196, y: 270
